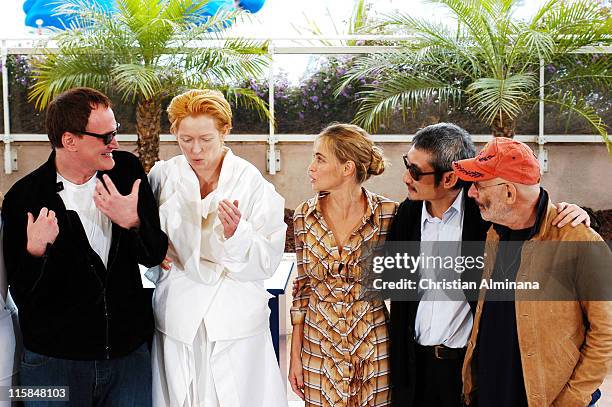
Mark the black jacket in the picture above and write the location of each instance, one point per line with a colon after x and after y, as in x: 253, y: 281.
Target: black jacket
x: 407, y: 227
x: 70, y: 305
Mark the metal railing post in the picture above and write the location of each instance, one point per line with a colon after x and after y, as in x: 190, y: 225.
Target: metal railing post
x: 542, y: 152
x: 272, y: 138
x: 8, y: 156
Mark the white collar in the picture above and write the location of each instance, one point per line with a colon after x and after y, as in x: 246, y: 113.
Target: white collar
x: 456, y: 207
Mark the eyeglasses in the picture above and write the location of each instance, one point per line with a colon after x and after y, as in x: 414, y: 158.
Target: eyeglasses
x: 106, y: 137
x: 479, y: 187
x: 415, y: 172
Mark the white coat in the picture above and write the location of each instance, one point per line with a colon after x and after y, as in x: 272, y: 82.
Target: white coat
x: 218, y: 282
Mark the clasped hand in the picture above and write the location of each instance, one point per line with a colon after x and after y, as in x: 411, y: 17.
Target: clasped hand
x: 229, y: 215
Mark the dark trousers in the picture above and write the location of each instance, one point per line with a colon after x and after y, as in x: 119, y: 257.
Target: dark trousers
x: 120, y: 382
x: 438, y: 381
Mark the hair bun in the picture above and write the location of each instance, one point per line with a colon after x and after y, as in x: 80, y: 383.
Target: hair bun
x: 377, y: 165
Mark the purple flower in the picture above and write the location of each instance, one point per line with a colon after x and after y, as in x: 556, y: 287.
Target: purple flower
x: 551, y: 68
x: 314, y: 98
x: 301, y: 115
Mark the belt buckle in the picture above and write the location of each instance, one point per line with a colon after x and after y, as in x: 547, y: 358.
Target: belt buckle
x: 437, y: 349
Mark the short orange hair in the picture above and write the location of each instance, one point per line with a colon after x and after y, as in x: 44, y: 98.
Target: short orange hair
x: 195, y: 102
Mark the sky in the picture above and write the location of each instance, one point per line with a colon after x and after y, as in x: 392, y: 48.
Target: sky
x: 274, y: 19
x: 277, y: 19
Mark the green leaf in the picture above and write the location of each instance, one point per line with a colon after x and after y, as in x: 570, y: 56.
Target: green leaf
x: 492, y: 97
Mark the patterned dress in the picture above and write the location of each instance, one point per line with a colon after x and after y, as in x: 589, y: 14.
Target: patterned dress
x: 345, y: 348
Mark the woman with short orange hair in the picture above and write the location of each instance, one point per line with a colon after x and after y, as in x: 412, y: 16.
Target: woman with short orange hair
x: 226, y: 234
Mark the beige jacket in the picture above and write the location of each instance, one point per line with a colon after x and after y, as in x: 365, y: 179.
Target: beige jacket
x: 565, y: 346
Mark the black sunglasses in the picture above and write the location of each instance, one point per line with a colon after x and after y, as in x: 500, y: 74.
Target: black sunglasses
x: 415, y: 172
x: 106, y: 137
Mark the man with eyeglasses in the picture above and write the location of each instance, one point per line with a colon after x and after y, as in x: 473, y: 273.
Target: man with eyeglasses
x: 75, y: 231
x: 428, y: 338
x: 551, y: 346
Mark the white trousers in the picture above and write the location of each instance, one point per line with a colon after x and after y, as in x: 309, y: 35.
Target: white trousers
x: 237, y: 373
x: 10, y: 345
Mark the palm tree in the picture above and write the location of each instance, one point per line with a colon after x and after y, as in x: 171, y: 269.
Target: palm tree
x: 489, y: 61
x: 145, y: 51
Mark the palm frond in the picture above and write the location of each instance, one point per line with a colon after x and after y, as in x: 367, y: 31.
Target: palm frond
x: 245, y: 46
x: 368, y: 66
x: 493, y: 97
x: 54, y: 73
x: 214, y: 26
x: 311, y: 28
x: 432, y: 40
x: 399, y: 93
x: 502, y: 7
x: 134, y: 80
x: 474, y: 17
x: 424, y: 31
x: 247, y: 99
x: 568, y: 101
x: 532, y: 45
x: 574, y: 24
x: 222, y: 65
x: 358, y: 22
x: 542, y: 13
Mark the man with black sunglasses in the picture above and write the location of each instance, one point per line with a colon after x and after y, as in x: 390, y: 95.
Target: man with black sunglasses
x: 75, y: 231
x: 106, y: 137
x: 428, y: 338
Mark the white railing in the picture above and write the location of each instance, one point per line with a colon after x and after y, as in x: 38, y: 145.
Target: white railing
x: 284, y: 46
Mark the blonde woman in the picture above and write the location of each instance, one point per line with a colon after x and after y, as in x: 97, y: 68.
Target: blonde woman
x: 339, y: 346
x: 224, y: 221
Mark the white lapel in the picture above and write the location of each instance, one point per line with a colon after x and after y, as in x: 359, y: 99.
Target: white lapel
x: 180, y: 214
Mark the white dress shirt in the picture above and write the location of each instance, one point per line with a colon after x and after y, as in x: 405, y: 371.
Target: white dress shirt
x: 98, y: 227
x: 439, y: 321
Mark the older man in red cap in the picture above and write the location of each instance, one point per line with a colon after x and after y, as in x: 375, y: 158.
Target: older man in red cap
x: 528, y: 352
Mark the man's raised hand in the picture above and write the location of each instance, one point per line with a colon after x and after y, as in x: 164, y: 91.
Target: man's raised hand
x: 41, y: 231
x: 121, y: 209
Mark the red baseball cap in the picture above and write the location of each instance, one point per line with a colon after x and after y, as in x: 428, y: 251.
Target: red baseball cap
x: 501, y: 158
